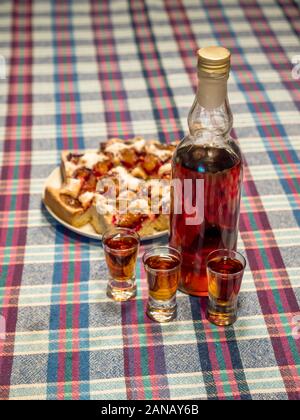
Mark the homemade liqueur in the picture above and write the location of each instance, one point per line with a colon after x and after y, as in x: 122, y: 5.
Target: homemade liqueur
x: 209, y: 154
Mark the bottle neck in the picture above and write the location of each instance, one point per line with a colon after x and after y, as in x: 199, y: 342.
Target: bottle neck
x: 211, y: 111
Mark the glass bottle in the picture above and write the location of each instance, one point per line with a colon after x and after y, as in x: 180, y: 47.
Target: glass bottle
x: 207, y: 175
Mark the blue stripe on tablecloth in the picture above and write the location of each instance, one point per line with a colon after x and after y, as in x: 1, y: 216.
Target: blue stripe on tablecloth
x: 57, y: 79
x: 204, y: 359
x: 76, y: 90
x: 84, y: 356
x: 52, y: 367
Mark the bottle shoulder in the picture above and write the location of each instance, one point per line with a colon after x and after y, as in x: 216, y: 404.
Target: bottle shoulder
x: 213, y: 154
x: 210, y: 141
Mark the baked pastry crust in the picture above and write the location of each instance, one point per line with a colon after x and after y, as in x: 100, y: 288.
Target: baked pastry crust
x: 75, y: 216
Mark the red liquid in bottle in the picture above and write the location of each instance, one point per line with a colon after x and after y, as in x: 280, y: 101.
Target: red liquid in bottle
x: 222, y: 172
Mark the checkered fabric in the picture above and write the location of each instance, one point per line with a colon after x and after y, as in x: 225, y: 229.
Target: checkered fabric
x: 78, y: 72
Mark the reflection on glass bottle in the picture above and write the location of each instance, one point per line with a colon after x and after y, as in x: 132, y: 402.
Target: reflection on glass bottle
x: 208, y: 153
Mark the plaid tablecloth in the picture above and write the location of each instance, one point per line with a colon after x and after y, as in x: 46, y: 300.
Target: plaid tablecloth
x: 78, y: 72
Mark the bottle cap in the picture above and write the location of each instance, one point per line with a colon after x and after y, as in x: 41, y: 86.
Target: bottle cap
x: 214, y: 60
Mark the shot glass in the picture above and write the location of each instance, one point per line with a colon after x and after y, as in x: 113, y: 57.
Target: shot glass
x: 121, y: 247
x: 225, y: 270
x: 163, y: 267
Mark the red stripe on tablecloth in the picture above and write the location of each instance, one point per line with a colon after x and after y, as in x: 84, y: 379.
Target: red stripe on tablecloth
x: 117, y: 114
x: 131, y: 351
x: 77, y: 275
x: 186, y: 40
x: 62, y: 331
x: 17, y: 137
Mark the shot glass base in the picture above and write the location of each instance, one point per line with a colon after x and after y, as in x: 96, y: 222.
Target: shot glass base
x: 221, y: 320
x: 121, y: 291
x: 162, y: 311
x: 222, y: 316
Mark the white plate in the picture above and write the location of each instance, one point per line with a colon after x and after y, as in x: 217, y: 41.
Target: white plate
x: 88, y: 231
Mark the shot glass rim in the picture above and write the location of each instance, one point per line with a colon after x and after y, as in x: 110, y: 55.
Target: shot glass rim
x: 166, y: 247
x: 226, y: 251
x: 130, y: 232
